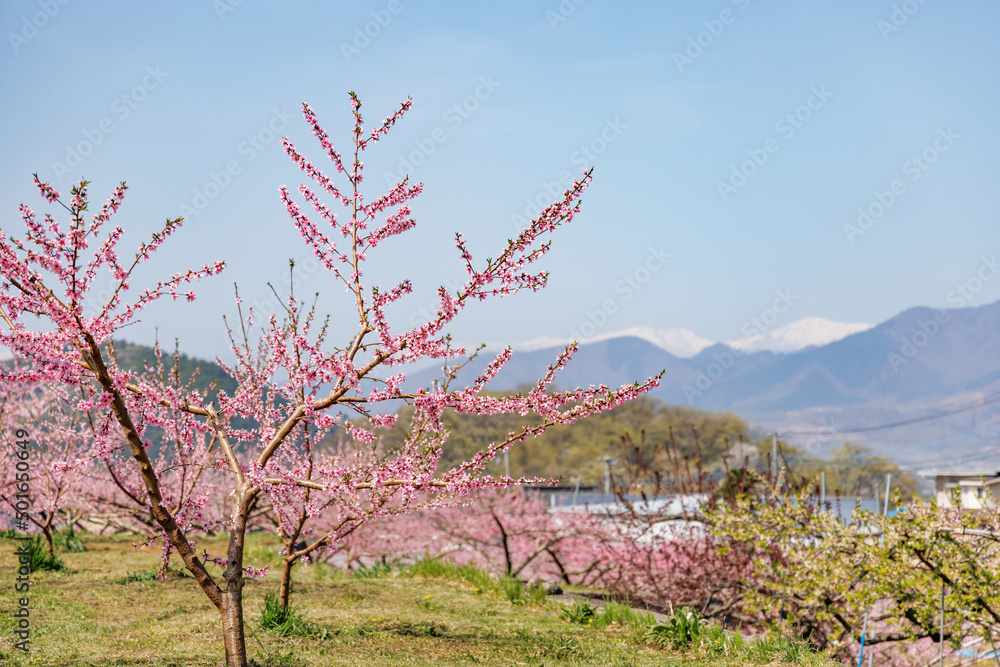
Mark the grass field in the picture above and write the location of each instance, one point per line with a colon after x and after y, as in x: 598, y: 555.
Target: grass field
x: 108, y: 611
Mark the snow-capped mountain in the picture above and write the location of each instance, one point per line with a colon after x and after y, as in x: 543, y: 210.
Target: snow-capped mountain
x: 684, y: 344
x: 808, y: 332
x: 679, y: 342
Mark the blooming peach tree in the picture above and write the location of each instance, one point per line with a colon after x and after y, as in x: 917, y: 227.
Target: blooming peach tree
x: 69, y: 485
x: 191, y: 483
x: 516, y: 535
x: 36, y: 488
x: 294, y: 383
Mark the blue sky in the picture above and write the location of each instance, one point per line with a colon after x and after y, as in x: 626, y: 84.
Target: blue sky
x: 740, y: 138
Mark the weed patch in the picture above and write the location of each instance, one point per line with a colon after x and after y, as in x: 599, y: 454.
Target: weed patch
x: 287, y: 621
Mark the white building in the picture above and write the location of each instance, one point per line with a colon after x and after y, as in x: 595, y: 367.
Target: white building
x: 976, y: 488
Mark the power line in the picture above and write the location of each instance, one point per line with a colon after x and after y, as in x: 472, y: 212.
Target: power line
x: 993, y: 453
x: 989, y: 400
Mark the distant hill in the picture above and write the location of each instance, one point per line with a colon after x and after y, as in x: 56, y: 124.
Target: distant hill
x: 136, y: 357
x: 612, y: 362
x: 920, y: 362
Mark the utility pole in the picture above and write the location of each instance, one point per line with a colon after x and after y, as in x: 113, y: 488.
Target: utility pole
x: 774, y: 455
x: 607, y: 475
x: 822, y: 489
x: 506, y: 461
x: 888, y: 480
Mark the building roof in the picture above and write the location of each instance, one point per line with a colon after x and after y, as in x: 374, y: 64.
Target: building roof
x: 968, y: 472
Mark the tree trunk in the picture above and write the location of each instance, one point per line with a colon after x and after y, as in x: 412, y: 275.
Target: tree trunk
x: 229, y: 602
x: 232, y: 598
x: 508, y: 560
x: 47, y: 531
x: 232, y: 629
x: 562, y: 570
x: 286, y: 581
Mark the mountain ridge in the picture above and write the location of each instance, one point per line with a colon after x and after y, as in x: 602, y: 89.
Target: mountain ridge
x: 918, y: 362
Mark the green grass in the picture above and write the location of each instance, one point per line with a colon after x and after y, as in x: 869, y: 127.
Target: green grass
x: 624, y: 616
x: 131, y: 577
x: 373, y: 571
x: 685, y: 630
x: 765, y: 650
x: 432, y: 613
x: 505, y: 588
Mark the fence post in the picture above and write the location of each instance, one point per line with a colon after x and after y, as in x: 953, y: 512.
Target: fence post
x: 864, y: 631
x: 941, y: 635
